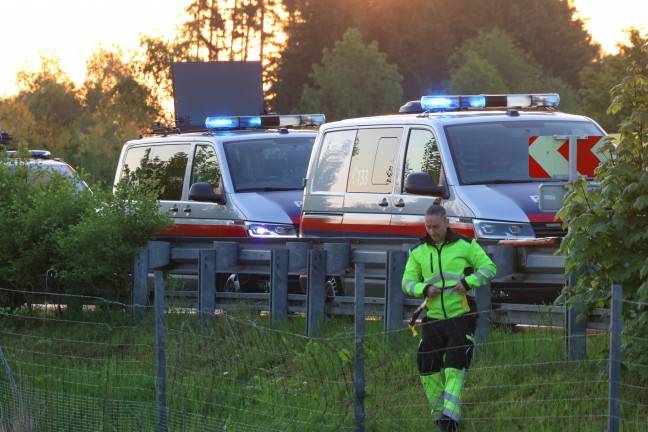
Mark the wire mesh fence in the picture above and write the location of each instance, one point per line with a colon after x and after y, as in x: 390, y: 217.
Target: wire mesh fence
x: 80, y: 364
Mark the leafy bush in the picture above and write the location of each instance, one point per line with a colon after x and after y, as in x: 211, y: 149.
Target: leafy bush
x: 607, y: 230
x: 57, y: 237
x: 96, y: 255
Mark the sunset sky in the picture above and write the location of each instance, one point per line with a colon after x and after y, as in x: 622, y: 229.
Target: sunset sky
x: 72, y: 29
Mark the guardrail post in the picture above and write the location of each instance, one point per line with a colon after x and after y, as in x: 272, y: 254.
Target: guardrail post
x: 614, y: 392
x: 394, y: 295
x: 484, y: 307
x: 228, y: 255
x: 359, y: 366
x: 278, y: 285
x: 575, y: 326
x: 298, y: 255
x: 157, y: 254
x: 316, y: 295
x: 338, y: 256
x: 206, y: 284
x: 503, y: 256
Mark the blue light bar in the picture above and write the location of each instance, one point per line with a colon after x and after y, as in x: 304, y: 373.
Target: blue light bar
x: 436, y: 103
x: 456, y: 102
x: 264, y: 121
x: 250, y: 122
x: 222, y: 122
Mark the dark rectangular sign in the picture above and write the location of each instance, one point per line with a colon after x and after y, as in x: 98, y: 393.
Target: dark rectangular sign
x: 208, y: 89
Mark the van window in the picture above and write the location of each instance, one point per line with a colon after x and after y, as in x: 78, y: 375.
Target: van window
x: 166, y: 164
x: 269, y: 163
x: 422, y: 155
x: 499, y: 151
x: 205, y: 167
x: 372, y: 160
x: 333, y: 161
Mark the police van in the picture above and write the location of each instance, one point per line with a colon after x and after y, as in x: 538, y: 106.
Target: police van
x: 237, y: 176
x: 375, y: 176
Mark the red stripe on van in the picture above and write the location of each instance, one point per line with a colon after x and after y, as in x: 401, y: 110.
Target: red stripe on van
x: 543, y: 217
x: 206, y: 230
x: 334, y: 226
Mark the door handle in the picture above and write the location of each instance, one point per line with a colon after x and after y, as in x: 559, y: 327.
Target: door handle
x: 383, y: 203
x: 174, y: 209
x: 400, y: 203
x: 187, y: 209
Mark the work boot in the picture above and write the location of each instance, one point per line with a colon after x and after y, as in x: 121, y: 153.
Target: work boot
x: 446, y: 424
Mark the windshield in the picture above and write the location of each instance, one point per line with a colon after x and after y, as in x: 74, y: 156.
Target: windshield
x: 498, y: 152
x: 269, y: 164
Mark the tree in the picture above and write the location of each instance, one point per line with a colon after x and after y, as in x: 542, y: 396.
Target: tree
x: 607, y: 234
x: 492, y: 62
x: 215, y: 30
x: 116, y: 108
x: 421, y: 37
x: 353, y: 80
x: 52, y: 100
x: 597, y: 80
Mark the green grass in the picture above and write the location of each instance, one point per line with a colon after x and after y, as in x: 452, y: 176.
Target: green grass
x: 96, y: 371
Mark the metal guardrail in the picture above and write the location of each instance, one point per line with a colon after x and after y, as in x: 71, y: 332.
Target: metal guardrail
x: 283, y: 258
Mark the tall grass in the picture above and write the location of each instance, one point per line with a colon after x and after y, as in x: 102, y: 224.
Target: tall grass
x: 96, y: 371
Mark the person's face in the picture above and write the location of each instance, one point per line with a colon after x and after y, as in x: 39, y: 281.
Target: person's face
x: 436, y: 227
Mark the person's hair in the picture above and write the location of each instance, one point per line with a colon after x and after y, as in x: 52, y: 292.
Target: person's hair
x: 436, y: 210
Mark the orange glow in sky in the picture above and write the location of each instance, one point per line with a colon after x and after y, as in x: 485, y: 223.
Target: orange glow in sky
x: 72, y: 29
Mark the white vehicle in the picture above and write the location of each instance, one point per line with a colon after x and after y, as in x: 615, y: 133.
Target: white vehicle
x: 41, y: 163
x: 375, y: 176
x: 236, y: 177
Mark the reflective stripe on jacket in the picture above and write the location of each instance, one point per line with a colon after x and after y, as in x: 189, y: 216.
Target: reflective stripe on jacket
x: 443, y: 265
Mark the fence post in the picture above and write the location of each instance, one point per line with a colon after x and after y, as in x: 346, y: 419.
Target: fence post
x: 575, y: 327
x: 161, y: 356
x: 278, y: 285
x: 614, y: 392
x: 207, y: 284
x: 140, y: 286
x: 316, y: 295
x: 394, y: 295
x: 359, y: 366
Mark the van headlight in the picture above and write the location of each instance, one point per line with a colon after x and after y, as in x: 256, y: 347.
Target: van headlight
x: 269, y: 230
x: 502, y: 230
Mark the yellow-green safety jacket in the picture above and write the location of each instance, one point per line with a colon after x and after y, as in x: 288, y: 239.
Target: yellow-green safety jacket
x: 458, y: 258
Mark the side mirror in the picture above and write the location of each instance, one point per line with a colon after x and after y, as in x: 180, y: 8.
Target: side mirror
x: 204, y: 192
x: 420, y: 183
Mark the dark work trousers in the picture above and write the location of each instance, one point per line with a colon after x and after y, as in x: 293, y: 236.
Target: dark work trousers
x: 452, y: 337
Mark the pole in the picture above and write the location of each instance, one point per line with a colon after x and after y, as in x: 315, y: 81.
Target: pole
x: 359, y: 367
x: 159, y: 347
x: 614, y: 394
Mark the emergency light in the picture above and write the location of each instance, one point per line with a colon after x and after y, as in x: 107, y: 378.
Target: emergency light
x: 34, y: 154
x: 247, y: 122
x: 445, y: 103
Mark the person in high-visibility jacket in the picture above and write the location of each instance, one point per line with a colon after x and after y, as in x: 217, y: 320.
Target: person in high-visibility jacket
x: 444, y: 268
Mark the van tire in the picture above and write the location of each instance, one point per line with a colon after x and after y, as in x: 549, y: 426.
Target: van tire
x: 333, y: 288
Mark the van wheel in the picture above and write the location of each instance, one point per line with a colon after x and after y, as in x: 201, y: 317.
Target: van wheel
x: 333, y: 288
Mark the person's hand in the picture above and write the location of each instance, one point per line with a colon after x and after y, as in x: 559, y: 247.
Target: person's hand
x: 431, y: 291
x: 460, y: 288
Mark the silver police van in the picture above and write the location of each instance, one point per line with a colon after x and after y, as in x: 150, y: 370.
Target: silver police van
x: 234, y: 177
x: 481, y: 156
x: 374, y: 176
